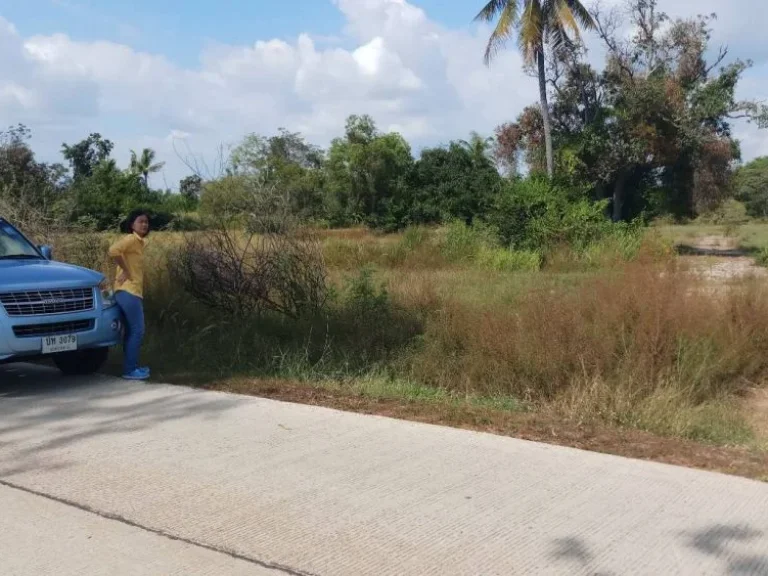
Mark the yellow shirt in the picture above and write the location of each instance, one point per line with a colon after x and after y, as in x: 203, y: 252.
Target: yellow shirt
x: 131, y: 248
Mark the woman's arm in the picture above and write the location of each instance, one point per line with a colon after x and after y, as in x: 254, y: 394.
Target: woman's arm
x: 125, y: 275
x: 117, y: 255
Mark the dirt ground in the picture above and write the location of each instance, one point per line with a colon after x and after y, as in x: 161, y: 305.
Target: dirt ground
x: 720, y: 259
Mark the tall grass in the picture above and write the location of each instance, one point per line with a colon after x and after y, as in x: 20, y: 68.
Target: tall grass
x: 642, y: 346
x: 616, y: 332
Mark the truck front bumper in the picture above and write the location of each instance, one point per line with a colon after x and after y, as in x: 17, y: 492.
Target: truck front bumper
x: 21, y: 338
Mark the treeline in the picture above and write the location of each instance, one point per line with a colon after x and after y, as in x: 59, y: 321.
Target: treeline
x: 87, y: 188
x: 648, y: 136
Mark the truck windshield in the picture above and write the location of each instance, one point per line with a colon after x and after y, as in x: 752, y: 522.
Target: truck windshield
x: 13, y: 246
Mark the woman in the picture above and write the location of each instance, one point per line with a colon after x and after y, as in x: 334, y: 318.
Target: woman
x: 128, y: 255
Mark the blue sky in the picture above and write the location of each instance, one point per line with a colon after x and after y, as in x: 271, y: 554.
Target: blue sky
x: 186, y: 77
x: 180, y: 29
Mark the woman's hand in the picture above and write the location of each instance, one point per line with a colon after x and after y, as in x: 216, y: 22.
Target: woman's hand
x: 123, y: 277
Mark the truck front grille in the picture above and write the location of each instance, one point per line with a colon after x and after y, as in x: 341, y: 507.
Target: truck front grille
x: 46, y: 302
x: 37, y: 330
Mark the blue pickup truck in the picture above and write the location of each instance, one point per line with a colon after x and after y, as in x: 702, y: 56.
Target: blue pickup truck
x: 53, y: 310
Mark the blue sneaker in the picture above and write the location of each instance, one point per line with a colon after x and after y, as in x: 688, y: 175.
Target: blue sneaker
x: 137, y: 374
x: 144, y: 369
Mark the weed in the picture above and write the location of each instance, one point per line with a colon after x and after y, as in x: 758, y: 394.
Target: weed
x: 761, y: 258
x: 502, y: 260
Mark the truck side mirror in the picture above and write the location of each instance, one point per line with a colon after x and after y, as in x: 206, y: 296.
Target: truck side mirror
x: 47, y: 252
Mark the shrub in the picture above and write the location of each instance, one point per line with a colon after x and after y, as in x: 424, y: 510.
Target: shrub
x: 272, y: 265
x: 363, y: 297
x: 729, y: 213
x: 533, y: 214
x: 761, y: 258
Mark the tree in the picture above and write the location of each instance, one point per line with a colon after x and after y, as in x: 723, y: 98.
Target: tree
x: 448, y: 183
x: 651, y: 131
x: 506, y: 148
x: 539, y: 24
x: 24, y: 182
x: 287, y: 162
x: 191, y: 188
x: 143, y: 165
x: 480, y: 148
x: 366, y: 173
x: 107, y: 194
x: 84, y: 156
x: 751, y: 186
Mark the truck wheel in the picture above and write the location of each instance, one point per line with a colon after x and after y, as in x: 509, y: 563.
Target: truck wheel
x: 82, y: 362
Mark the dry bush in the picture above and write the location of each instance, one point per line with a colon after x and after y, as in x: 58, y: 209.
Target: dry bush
x: 259, y: 259
x: 608, y: 347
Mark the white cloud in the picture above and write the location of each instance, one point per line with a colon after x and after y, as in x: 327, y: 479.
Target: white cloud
x: 410, y: 73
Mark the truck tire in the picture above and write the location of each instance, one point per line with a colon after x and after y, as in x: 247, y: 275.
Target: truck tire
x: 82, y: 362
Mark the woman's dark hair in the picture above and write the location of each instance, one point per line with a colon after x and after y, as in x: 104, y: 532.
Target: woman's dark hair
x: 126, y: 226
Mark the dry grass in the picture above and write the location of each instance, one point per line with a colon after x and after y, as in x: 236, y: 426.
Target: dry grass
x: 636, y: 347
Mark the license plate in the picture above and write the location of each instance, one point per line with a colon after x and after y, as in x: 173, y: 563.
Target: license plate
x: 61, y: 343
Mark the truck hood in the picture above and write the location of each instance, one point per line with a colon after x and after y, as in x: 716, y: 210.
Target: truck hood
x: 16, y: 275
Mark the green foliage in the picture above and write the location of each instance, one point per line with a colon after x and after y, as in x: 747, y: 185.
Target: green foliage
x: 751, y: 187
x: 191, y: 189
x: 457, y: 182
x: 366, y: 174
x: 462, y: 243
x: 506, y: 260
x: 651, y: 132
x: 414, y: 237
x: 478, y: 244
x: 364, y: 297
x: 287, y: 162
x: 107, y: 194
x: 144, y: 164
x: 534, y: 214
x: 732, y: 212
x: 225, y: 197
x: 761, y: 258
x: 101, y: 193
x: 23, y: 180
x: 87, y: 154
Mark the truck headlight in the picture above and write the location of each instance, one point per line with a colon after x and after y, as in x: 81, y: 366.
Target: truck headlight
x: 107, y: 295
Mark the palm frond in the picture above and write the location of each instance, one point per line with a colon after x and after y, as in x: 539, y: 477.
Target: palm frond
x: 558, y: 37
x: 531, y: 31
x: 490, y: 10
x: 582, y: 14
x: 154, y: 168
x: 503, y: 30
x: 564, y: 17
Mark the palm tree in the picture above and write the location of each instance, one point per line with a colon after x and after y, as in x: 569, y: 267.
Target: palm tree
x: 541, y: 22
x: 479, y: 147
x: 145, y: 165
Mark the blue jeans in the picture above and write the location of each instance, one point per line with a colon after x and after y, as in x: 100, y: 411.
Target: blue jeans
x: 133, y: 314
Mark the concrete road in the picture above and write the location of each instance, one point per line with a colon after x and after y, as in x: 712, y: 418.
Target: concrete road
x: 98, y: 476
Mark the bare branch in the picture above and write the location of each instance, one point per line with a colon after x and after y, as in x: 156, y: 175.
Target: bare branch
x: 722, y: 53
x: 254, y: 260
x: 606, y: 26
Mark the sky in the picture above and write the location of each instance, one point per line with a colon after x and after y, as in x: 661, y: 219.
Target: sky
x: 187, y: 77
